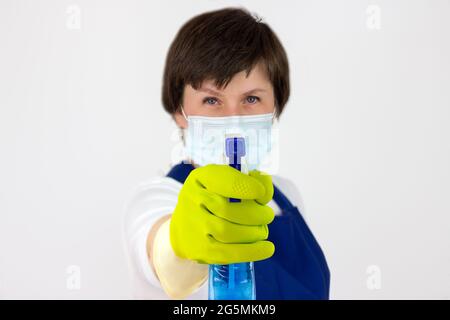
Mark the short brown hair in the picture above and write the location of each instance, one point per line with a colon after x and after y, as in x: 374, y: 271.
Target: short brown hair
x: 218, y: 44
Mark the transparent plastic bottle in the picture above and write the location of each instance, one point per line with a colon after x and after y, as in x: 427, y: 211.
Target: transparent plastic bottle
x: 232, y: 281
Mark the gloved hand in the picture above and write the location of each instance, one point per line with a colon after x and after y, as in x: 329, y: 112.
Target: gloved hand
x: 207, y: 228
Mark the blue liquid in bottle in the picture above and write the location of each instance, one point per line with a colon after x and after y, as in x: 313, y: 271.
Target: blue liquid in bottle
x: 232, y: 281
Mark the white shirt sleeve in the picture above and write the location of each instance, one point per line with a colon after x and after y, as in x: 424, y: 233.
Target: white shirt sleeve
x: 150, y: 201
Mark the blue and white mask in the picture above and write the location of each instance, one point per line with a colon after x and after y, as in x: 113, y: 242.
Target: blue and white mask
x: 205, y: 138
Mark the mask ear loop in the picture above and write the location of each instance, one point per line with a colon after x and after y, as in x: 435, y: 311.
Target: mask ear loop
x: 274, y: 115
x: 182, y: 131
x: 184, y: 114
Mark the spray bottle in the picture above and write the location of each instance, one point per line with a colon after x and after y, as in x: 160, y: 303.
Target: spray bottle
x: 233, y: 281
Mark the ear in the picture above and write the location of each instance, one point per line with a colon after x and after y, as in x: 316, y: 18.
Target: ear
x: 180, y: 120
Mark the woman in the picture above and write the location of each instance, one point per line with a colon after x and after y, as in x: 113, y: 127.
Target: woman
x: 225, y: 70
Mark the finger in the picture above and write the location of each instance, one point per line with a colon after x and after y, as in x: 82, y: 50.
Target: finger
x: 246, y: 212
x: 266, y: 181
x: 227, y: 232
x: 228, y: 182
x: 222, y: 253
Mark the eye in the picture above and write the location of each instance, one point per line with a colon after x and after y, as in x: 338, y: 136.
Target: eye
x: 252, y: 99
x: 210, y: 100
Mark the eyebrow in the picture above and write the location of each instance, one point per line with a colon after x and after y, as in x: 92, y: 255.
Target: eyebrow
x: 210, y: 91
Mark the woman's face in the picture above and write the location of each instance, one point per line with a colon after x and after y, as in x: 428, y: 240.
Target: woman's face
x: 242, y: 96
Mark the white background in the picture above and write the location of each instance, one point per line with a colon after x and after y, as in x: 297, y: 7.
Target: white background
x: 365, y: 136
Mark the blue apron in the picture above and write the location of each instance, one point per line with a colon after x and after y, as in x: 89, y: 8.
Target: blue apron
x: 298, y: 268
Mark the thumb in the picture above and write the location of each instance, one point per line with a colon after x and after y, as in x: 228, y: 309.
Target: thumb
x: 228, y: 182
x: 266, y: 180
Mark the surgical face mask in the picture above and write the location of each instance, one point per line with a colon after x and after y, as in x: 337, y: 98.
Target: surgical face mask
x: 205, y: 138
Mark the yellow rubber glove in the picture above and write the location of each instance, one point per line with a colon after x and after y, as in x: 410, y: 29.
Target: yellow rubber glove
x: 207, y: 228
